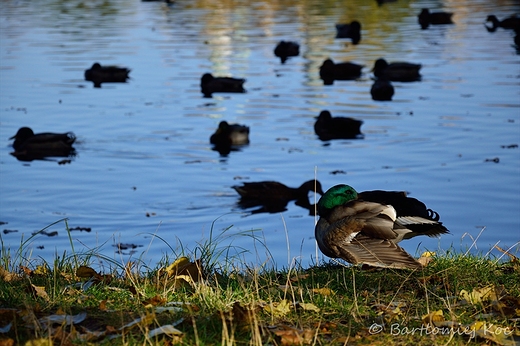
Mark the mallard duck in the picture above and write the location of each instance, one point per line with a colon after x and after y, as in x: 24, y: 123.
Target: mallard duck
x: 512, y: 23
x: 210, y: 85
x: 274, y: 196
x: 365, y: 228
x: 29, y: 146
x: 230, y: 134
x: 425, y: 18
x: 328, y: 127
x: 396, y: 71
x: 382, y: 90
x: 352, y: 31
x: 329, y: 71
x: 106, y: 74
x: 285, y: 49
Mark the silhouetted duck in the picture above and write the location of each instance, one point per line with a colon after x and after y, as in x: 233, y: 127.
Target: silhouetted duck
x: 328, y: 127
x: 98, y: 74
x: 210, y: 85
x: 285, y: 49
x: 426, y: 18
x: 29, y: 146
x: 381, y: 2
x: 365, y: 228
x: 382, y: 90
x: 352, y: 31
x: 228, y: 136
x: 512, y: 23
x: 329, y: 71
x: 273, y: 196
x: 396, y: 71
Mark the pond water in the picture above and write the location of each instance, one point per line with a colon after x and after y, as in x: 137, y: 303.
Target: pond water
x: 146, y: 175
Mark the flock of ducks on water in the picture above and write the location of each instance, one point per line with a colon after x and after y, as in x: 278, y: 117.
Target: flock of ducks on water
x: 361, y: 228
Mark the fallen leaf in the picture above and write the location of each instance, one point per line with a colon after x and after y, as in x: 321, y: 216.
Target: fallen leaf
x: 293, y: 336
x: 39, y: 342
x: 323, y: 291
x: 432, y: 317
x: 497, y: 334
x: 154, y: 301
x: 183, y: 266
x: 7, y: 342
x: 7, y: 276
x: 279, y: 309
x: 479, y: 295
x: 39, y: 291
x: 309, y: 307
x: 167, y: 329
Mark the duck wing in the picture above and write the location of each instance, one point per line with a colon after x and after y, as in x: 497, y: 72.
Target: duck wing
x: 378, y: 253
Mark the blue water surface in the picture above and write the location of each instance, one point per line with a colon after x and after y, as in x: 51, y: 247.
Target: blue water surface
x: 146, y: 175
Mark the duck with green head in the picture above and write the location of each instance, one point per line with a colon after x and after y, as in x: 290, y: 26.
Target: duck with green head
x: 364, y: 229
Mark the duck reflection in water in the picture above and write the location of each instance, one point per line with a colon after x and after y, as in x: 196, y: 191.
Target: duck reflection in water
x: 29, y: 146
x: 273, y: 197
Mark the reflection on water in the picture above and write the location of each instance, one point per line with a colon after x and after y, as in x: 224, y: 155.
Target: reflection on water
x: 145, y: 167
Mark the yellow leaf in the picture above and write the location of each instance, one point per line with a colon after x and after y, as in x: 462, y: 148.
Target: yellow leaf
x: 41, y: 270
x: 279, y: 309
x: 497, y: 334
x: 183, y: 266
x: 39, y: 342
x: 309, y: 307
x: 478, y: 295
x: 323, y: 291
x: 428, y: 254
x: 432, y: 317
x: 40, y: 292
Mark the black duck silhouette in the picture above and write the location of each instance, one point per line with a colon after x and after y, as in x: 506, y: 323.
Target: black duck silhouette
x: 352, y: 31
x: 330, y: 71
x: 286, y: 49
x: 328, y: 127
x: 427, y: 18
x: 382, y: 90
x: 396, y: 71
x: 29, y: 146
x: 210, y: 85
x: 98, y: 74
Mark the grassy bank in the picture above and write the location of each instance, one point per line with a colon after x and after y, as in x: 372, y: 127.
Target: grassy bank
x: 457, y: 299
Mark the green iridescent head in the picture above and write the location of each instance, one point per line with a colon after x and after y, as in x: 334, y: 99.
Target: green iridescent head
x: 336, y: 195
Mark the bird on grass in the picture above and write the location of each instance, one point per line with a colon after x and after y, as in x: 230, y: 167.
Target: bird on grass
x: 330, y: 71
x: 352, y: 31
x: 365, y: 228
x: 286, y: 49
x: 273, y: 196
x: 210, y: 84
x: 382, y: 90
x: 228, y: 136
x: 427, y: 18
x: 396, y: 71
x: 98, y: 74
x: 328, y: 127
x: 29, y: 146
x: 509, y: 23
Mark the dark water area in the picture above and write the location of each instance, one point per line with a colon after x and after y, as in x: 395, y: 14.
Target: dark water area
x: 145, y: 173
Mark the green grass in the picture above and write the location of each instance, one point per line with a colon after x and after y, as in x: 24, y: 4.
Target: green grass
x: 225, y: 302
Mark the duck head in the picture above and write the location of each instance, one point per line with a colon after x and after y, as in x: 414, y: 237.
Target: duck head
x: 336, y: 195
